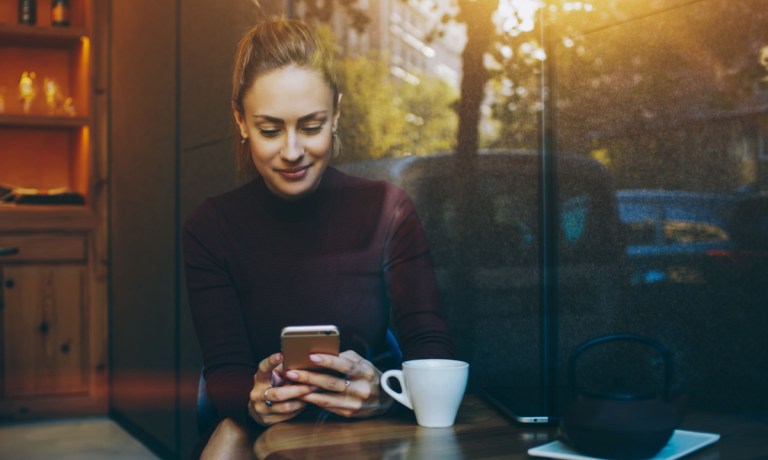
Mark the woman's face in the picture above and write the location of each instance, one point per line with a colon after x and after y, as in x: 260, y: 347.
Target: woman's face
x: 288, y: 120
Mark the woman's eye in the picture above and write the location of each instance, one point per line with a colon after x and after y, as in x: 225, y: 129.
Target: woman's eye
x: 269, y: 132
x: 314, y: 129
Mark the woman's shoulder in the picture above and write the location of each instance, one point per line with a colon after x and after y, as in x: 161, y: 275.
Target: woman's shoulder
x: 355, y: 184
x: 214, y: 207
x: 372, y: 197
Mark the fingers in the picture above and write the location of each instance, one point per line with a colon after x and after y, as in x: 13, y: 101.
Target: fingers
x: 343, y: 405
x: 347, y: 363
x: 271, y: 401
x: 267, y: 365
x: 354, y: 395
x: 279, y: 401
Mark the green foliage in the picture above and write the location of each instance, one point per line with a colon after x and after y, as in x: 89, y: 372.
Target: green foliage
x: 431, y: 115
x: 647, y: 87
x: 372, y: 122
x: 384, y: 117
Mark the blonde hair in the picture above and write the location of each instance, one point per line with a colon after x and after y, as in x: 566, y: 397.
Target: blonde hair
x: 272, y: 45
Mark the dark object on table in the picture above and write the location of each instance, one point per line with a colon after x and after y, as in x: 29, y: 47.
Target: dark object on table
x: 59, y: 198
x: 18, y: 195
x: 618, y: 424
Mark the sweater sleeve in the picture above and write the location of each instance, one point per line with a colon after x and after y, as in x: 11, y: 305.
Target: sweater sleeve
x: 217, y: 315
x: 412, y: 285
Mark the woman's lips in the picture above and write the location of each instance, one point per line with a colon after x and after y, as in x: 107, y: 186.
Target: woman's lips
x: 294, y: 173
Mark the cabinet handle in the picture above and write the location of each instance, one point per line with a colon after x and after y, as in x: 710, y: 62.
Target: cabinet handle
x: 9, y: 284
x: 9, y: 251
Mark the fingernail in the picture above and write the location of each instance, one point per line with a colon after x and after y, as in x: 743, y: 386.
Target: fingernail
x: 279, y: 357
x: 292, y: 375
x: 315, y: 358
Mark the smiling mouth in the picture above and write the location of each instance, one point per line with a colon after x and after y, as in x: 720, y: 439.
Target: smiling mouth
x: 294, y: 173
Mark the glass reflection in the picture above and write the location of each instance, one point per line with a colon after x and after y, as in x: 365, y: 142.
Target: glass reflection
x: 666, y: 237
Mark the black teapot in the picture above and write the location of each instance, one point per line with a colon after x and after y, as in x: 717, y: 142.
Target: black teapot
x: 620, y: 424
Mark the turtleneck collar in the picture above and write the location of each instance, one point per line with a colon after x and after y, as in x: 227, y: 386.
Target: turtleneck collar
x: 312, y: 205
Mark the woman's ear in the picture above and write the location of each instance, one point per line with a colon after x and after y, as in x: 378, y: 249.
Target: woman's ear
x: 240, y: 123
x: 337, y: 113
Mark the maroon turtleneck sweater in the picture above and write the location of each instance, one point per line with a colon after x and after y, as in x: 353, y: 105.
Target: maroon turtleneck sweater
x: 351, y: 254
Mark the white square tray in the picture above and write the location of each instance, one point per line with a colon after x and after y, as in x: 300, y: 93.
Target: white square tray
x: 681, y: 443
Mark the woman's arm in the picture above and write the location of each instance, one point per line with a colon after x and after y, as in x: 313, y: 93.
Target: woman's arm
x: 412, y: 285
x: 216, y: 314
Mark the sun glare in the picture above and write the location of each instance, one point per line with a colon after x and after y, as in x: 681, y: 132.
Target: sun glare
x: 517, y: 16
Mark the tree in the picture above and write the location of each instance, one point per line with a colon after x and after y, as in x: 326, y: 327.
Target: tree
x: 477, y: 15
x: 636, y: 84
x: 430, y: 109
x: 323, y: 11
x: 653, y: 103
x: 372, y: 119
x: 383, y: 117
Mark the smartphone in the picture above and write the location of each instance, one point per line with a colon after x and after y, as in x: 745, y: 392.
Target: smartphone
x: 298, y: 342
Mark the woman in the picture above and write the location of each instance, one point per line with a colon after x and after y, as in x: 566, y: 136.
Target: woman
x: 301, y: 244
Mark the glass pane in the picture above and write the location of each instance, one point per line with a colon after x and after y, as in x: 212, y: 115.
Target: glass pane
x: 659, y: 110
x: 671, y: 97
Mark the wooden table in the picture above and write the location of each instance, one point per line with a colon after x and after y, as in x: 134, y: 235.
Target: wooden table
x: 480, y: 432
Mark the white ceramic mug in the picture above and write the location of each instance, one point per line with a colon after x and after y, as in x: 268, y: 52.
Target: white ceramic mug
x: 432, y: 388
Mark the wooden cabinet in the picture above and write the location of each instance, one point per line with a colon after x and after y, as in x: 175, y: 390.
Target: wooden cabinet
x: 53, y: 327
x: 53, y: 352
x: 46, y: 330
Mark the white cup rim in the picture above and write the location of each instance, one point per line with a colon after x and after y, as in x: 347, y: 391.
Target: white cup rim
x: 435, y: 364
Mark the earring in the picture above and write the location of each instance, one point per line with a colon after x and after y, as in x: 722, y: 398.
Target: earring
x: 243, y: 140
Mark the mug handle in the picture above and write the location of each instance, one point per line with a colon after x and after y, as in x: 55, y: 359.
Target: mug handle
x: 400, y: 397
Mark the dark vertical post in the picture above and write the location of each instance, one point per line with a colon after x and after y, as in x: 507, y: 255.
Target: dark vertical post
x: 548, y: 214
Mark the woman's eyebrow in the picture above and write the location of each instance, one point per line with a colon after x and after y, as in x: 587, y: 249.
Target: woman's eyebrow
x: 313, y: 115
x: 310, y: 116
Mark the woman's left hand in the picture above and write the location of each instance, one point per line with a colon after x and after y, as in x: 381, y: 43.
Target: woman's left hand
x: 358, y: 395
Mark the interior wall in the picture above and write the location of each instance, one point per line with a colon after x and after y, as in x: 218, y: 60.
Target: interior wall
x: 143, y: 146
x: 170, y: 148
x: 210, y: 32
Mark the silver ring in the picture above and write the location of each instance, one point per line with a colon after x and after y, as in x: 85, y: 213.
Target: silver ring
x: 267, y: 402
x: 346, y: 384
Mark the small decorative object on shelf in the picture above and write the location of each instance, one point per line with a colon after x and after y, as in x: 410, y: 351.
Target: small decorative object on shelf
x: 27, y: 90
x: 69, y: 107
x: 53, y: 96
x: 27, y: 12
x: 60, y: 13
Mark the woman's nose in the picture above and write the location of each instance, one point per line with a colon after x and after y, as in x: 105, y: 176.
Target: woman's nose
x: 292, y: 150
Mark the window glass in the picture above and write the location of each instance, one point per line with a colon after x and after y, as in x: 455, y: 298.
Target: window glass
x: 671, y: 96
x: 657, y: 115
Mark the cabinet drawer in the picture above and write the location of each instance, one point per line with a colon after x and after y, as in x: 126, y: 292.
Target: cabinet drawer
x: 48, y: 248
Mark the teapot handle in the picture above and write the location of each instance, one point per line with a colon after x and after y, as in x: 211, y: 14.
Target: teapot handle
x: 661, y: 349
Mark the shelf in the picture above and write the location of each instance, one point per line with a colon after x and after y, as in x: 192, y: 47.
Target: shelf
x: 41, y: 217
x: 53, y: 37
x: 41, y: 121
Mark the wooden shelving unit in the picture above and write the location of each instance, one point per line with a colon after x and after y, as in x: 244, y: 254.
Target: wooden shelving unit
x: 53, y: 358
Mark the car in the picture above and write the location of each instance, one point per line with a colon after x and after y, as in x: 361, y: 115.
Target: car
x: 481, y: 217
x: 716, y: 243
x: 699, y: 281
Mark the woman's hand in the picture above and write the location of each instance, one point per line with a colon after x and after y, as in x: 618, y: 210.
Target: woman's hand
x: 358, y: 395
x: 271, y: 401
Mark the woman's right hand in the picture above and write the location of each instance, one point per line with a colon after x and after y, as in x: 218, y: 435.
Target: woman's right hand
x: 271, y: 401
